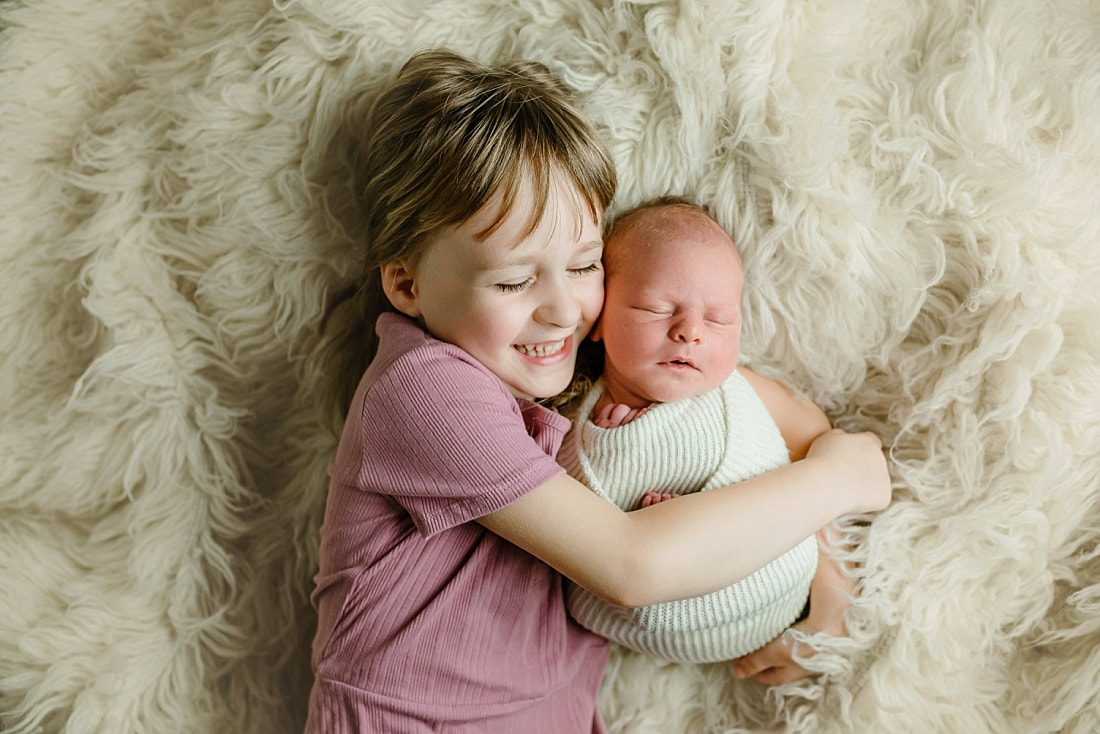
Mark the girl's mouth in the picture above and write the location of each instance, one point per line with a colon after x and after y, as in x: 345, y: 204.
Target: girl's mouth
x: 545, y: 349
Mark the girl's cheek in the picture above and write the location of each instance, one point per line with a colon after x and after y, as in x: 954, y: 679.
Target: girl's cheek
x: 596, y: 297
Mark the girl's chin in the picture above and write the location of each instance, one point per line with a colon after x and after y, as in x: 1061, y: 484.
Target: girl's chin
x: 540, y: 389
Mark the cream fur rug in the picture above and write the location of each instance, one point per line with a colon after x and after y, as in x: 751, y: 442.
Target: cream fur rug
x: 915, y: 185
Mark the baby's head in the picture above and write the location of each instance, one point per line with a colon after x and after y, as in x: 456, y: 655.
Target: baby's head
x: 671, y: 322
x: 483, y: 186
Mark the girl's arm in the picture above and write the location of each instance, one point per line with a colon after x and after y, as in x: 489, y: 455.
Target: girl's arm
x: 703, y: 541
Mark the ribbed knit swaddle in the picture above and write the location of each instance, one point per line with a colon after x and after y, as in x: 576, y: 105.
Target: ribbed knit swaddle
x: 722, y: 437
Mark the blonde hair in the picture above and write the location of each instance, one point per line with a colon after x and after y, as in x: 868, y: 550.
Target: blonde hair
x: 447, y: 135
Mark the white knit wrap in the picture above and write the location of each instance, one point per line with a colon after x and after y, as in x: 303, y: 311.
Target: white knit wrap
x: 722, y: 437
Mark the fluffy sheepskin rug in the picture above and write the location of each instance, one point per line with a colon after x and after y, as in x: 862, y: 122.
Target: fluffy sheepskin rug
x: 916, y: 188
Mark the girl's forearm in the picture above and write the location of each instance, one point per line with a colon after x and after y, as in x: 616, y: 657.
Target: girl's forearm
x: 708, y: 540
x: 701, y: 542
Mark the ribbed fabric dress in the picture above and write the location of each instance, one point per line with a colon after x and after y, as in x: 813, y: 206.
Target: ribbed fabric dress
x: 722, y: 437
x: 426, y: 621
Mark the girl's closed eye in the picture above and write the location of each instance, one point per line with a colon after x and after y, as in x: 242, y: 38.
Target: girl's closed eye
x: 587, y: 269
x: 523, y: 285
x: 514, y: 287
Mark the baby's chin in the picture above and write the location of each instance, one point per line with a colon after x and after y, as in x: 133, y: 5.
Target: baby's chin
x: 673, y: 396
x: 674, y: 393
x: 639, y: 390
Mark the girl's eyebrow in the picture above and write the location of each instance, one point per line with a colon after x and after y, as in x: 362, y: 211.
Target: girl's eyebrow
x: 529, y: 259
x: 591, y: 245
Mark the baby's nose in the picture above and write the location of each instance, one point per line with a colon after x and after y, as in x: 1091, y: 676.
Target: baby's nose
x: 687, y: 330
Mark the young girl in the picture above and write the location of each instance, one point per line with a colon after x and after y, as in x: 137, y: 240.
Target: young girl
x: 448, y: 522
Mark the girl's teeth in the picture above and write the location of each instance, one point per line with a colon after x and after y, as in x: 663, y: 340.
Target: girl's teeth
x: 540, y: 350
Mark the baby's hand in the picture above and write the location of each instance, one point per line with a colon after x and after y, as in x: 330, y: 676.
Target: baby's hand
x: 653, y: 498
x: 614, y: 415
x: 831, y: 593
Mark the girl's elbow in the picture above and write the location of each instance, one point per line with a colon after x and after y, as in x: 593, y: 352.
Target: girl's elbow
x: 625, y: 596
x: 636, y: 584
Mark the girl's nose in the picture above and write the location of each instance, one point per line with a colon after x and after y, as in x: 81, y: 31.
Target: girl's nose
x: 560, y: 306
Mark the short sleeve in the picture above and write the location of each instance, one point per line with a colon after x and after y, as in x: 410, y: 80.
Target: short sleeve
x: 447, y: 441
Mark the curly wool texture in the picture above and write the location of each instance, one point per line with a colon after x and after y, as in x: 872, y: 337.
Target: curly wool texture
x: 914, y: 187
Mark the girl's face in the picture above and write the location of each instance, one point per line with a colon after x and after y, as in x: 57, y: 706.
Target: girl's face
x: 519, y: 303
x: 671, y: 324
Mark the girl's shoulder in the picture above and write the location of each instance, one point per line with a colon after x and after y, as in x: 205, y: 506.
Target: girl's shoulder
x: 415, y: 358
x: 417, y: 379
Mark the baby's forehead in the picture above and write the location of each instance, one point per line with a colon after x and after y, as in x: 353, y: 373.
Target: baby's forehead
x: 656, y: 225
x: 664, y: 231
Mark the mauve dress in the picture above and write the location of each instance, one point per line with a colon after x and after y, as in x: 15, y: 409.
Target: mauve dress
x: 427, y: 622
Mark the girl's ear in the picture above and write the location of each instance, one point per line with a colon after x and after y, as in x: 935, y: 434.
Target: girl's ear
x: 399, y: 285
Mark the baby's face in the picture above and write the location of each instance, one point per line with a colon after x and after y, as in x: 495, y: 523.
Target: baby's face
x: 671, y: 321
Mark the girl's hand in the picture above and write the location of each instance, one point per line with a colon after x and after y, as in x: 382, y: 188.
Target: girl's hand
x: 860, y: 465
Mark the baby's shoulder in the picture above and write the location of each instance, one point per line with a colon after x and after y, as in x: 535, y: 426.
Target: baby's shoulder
x: 766, y: 388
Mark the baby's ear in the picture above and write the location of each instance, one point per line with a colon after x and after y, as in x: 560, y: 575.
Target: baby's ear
x: 596, y: 334
x: 399, y: 285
